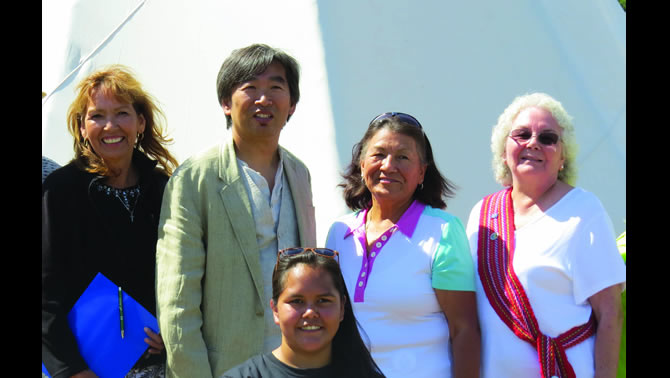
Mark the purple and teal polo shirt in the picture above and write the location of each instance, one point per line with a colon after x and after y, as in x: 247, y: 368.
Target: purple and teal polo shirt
x: 392, y: 287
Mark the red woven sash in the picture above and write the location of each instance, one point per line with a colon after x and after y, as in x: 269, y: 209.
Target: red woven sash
x: 507, y: 296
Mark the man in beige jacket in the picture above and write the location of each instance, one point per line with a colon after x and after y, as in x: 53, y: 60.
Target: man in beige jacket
x: 225, y: 214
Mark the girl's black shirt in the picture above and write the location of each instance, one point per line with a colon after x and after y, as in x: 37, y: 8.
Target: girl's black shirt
x: 268, y: 366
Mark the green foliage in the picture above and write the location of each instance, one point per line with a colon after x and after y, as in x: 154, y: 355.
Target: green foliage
x: 621, y: 371
x: 623, y: 4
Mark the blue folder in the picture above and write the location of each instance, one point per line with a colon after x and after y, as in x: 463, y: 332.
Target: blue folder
x: 95, y: 323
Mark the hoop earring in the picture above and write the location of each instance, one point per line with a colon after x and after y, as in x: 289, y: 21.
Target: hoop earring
x: 87, y: 144
x: 140, y: 137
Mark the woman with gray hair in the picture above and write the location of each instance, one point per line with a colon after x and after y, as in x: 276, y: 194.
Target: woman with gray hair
x: 549, y: 276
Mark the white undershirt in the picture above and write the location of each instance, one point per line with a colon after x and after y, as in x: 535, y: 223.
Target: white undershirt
x: 265, y: 208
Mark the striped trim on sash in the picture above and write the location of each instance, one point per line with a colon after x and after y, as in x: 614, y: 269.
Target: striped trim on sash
x: 508, y: 298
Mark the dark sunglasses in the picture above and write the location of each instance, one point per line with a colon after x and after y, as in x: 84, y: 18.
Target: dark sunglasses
x: 325, y: 252
x: 547, y: 138
x: 401, y: 116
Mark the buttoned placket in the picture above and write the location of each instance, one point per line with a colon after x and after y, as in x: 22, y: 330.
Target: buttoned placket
x: 368, y: 261
x: 406, y: 225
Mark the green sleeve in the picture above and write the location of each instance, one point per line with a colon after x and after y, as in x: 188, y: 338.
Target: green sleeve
x: 453, y: 268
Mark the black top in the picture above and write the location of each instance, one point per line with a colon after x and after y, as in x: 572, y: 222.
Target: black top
x: 86, y: 231
x: 268, y: 366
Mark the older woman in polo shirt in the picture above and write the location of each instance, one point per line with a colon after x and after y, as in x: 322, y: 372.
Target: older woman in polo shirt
x: 405, y: 260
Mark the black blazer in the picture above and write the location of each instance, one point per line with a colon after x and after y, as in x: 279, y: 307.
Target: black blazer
x: 82, y: 236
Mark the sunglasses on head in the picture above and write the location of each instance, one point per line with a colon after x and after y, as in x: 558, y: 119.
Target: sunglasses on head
x: 325, y: 252
x: 547, y: 138
x: 401, y: 116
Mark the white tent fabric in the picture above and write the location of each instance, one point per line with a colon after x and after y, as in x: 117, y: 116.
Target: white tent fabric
x: 453, y: 65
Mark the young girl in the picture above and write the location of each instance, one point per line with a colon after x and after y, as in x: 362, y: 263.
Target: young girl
x: 320, y: 336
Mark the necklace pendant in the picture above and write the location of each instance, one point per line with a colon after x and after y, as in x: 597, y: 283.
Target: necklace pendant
x: 132, y: 217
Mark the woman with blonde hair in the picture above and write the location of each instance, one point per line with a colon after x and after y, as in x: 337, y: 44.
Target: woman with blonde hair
x: 100, y: 212
x: 118, y: 81
x: 549, y: 276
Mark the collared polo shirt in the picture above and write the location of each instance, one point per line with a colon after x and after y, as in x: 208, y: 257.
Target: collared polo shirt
x: 393, y: 286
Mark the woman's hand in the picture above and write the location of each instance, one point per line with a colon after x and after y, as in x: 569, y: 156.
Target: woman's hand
x: 155, y: 341
x: 85, y: 374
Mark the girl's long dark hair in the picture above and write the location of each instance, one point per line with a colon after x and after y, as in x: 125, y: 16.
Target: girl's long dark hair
x: 350, y: 355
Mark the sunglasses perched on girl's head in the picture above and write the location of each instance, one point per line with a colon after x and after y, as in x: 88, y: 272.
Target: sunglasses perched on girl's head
x: 326, y: 252
x: 547, y: 138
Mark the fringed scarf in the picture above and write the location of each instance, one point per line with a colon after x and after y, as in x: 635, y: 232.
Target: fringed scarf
x: 507, y: 296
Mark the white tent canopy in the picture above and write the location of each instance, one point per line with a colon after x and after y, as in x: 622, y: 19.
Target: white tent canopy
x: 453, y: 65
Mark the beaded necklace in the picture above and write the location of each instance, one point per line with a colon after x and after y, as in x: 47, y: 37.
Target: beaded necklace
x: 128, y: 196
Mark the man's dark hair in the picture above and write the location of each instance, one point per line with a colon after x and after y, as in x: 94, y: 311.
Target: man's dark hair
x: 245, y: 63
